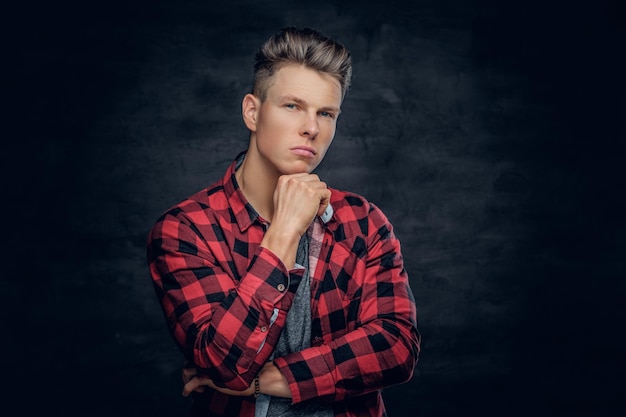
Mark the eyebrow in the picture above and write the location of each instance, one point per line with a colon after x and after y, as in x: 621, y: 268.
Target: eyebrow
x: 300, y: 101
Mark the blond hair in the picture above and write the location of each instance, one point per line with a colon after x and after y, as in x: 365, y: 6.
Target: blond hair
x: 306, y: 47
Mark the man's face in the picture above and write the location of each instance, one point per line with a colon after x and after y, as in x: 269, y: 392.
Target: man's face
x: 296, y: 123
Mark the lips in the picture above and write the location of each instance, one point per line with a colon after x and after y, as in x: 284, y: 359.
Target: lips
x: 304, y: 151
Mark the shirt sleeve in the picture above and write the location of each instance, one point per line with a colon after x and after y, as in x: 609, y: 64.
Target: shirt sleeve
x: 383, y: 346
x: 225, y: 325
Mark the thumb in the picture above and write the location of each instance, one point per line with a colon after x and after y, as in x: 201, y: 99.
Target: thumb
x: 324, y: 202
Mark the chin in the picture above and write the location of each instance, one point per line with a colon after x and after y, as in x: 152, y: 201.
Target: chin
x: 299, y: 168
x: 297, y: 171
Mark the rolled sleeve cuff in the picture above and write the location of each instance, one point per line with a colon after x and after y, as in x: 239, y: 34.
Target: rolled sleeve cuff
x: 268, y: 279
x: 304, y: 383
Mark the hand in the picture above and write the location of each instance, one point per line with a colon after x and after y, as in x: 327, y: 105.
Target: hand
x: 298, y: 198
x: 194, y: 382
x: 190, y: 373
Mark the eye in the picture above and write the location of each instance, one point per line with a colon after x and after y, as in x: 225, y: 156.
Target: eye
x: 291, y: 106
x: 327, y: 114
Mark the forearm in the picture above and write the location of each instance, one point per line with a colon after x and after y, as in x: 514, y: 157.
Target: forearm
x: 210, y: 312
x: 264, y: 295
x: 379, y: 345
x: 283, y: 242
x: 367, y: 359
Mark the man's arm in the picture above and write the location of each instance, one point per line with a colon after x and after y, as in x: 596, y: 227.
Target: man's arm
x: 229, y: 328
x: 226, y: 327
x: 380, y: 347
x: 270, y: 382
x: 381, y: 352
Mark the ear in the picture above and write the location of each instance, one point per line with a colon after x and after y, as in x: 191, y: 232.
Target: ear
x: 250, y: 109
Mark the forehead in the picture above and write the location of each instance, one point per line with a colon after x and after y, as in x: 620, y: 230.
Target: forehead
x: 305, y: 83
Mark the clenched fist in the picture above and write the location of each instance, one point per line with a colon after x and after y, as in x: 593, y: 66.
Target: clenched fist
x: 298, y: 198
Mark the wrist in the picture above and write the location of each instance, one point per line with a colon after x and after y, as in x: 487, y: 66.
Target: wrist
x: 282, y: 244
x: 257, y: 387
x: 272, y: 382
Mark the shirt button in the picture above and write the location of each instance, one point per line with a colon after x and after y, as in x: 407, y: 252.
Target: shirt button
x: 263, y: 329
x: 281, y: 287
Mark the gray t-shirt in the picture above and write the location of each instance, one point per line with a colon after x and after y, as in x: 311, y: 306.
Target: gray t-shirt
x: 296, y: 336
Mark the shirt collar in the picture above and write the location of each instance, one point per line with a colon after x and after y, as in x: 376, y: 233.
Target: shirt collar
x: 243, y: 212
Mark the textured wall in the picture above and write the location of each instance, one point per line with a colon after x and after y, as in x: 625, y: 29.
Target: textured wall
x: 491, y: 136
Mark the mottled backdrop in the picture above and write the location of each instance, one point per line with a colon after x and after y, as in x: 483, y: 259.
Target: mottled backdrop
x: 491, y: 133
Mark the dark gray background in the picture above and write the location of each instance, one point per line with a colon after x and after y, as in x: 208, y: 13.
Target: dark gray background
x: 491, y: 133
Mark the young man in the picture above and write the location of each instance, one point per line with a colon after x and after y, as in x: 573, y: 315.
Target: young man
x: 285, y: 296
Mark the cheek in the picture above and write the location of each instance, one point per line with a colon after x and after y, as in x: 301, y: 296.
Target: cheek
x: 327, y: 144
x: 329, y: 133
x: 328, y: 127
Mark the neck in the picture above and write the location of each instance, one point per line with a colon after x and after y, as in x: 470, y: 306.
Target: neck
x: 257, y: 185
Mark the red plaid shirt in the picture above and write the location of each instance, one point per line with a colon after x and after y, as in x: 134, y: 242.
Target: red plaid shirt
x: 218, y: 289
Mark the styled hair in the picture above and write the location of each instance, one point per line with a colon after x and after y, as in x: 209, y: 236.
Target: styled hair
x: 306, y: 47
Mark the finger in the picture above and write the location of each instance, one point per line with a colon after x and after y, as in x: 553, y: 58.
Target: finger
x: 188, y: 373
x: 309, y: 178
x: 189, y: 387
x: 196, y: 383
x: 317, y: 184
x: 300, y: 177
x: 324, y: 201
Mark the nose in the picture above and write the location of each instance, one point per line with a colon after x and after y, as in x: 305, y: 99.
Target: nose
x: 310, y: 128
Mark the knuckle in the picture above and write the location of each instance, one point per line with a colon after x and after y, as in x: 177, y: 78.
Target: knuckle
x: 293, y: 181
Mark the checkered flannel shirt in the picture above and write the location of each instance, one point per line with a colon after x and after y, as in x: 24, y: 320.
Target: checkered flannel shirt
x: 225, y: 300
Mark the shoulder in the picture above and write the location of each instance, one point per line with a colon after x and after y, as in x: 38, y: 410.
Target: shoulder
x: 354, y: 209
x: 346, y: 201
x: 200, y: 205
x: 192, y: 217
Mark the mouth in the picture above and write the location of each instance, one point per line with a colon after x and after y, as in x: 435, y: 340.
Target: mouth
x: 304, y: 151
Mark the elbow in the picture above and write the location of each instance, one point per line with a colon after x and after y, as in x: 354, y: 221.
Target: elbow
x: 411, y: 357
x: 416, y: 347
x: 401, y: 373
x: 214, y: 366
x: 408, y: 367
